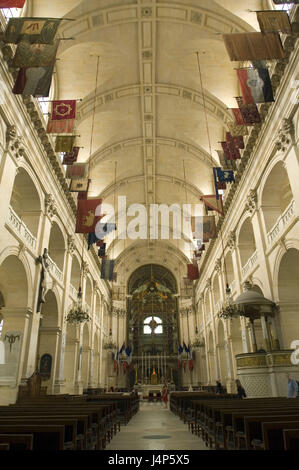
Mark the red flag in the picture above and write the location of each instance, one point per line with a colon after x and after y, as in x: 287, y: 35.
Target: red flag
x: 191, y: 365
x: 192, y: 272
x: 86, y: 215
x: 212, y: 203
x: 249, y: 112
x: 238, y: 117
x: 179, y: 364
x: 115, y: 365
x: 62, y: 117
x: 184, y: 365
x: 12, y: 3
x: 124, y: 367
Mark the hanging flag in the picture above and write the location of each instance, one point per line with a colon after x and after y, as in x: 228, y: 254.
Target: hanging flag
x: 231, y: 152
x: 34, y: 55
x: 86, y: 215
x: 249, y: 112
x: 204, y: 227
x: 102, y: 251
x: 107, y: 269
x: 62, y: 117
x: 71, y: 157
x: 255, y: 85
x: 236, y: 141
x: 31, y: 30
x: 236, y: 130
x: 226, y: 163
x: 128, y: 351
x: 104, y: 228
x: 274, y: 21
x: 91, y: 239
x: 12, y: 3
x: 222, y: 177
x: 124, y: 367
x: 253, y: 46
x: 238, y: 117
x: 212, y: 203
x: 76, y: 171
x: 64, y: 143
x: 184, y: 365
x: 80, y: 186
x: 192, y: 272
x: 34, y: 81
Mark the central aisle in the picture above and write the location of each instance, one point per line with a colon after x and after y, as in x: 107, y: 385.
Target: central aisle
x: 155, y: 428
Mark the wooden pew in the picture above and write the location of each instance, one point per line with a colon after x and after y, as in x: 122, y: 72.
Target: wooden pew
x: 291, y: 439
x: 17, y: 441
x: 254, y: 431
x: 45, y: 437
x: 273, y: 436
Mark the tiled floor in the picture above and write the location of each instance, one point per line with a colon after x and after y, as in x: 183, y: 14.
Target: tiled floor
x: 153, y: 420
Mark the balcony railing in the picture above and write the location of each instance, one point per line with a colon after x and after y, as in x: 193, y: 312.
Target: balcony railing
x: 250, y: 265
x: 73, y: 292
x: 21, y: 229
x: 282, y: 223
x: 54, y: 270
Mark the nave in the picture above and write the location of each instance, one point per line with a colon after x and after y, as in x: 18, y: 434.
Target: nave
x: 154, y: 427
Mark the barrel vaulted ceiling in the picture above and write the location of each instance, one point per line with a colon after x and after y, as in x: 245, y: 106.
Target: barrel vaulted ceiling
x: 149, y: 105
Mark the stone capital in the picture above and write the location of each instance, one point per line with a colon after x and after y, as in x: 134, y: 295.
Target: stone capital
x: 251, y: 201
x: 285, y: 135
x: 50, y: 206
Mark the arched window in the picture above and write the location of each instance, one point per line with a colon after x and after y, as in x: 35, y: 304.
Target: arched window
x: 152, y: 324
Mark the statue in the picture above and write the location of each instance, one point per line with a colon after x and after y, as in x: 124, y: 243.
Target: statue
x: 44, y: 278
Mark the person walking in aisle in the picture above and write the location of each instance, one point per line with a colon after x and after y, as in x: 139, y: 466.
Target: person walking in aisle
x: 165, y: 395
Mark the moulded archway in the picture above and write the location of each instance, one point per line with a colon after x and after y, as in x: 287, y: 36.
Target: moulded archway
x: 246, y: 241
x: 57, y: 246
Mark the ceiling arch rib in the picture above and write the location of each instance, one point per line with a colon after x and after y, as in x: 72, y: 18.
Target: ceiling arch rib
x: 214, y: 106
x: 194, y: 151
x: 213, y: 19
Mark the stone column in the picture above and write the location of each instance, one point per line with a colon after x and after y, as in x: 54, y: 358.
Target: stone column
x: 252, y: 334
x: 49, y: 343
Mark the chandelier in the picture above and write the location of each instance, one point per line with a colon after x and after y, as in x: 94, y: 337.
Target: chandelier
x: 109, y: 344
x: 197, y: 343
x: 228, y: 310
x: 77, y: 314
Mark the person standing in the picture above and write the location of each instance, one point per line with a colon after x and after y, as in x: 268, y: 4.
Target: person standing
x: 219, y: 388
x: 240, y: 390
x: 292, y: 387
x: 165, y: 395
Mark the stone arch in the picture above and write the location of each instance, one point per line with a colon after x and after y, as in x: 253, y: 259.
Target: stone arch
x: 221, y: 350
x: 288, y: 296
x: 15, y: 282
x: 57, y: 245
x: 85, y: 356
x: 49, y: 334
x: 212, y: 358
x: 246, y: 241
x: 228, y: 268
x: 26, y: 200
x: 276, y: 194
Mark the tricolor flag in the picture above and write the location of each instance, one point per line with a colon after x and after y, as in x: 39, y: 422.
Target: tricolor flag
x: 71, y: 157
x: 107, y: 269
x: 180, y: 352
x: 35, y: 55
x: 104, y: 228
x: 62, y: 117
x: 31, y: 30
x: 91, y: 239
x: 88, y: 214
x: 255, y: 85
x: 12, y: 3
x: 222, y: 176
x: 34, y: 81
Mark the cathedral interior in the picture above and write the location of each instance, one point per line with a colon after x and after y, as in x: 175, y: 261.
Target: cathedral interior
x: 149, y: 216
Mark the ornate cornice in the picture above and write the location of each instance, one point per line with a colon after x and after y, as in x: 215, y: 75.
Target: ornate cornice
x: 251, y: 203
x: 50, y: 206
x: 70, y: 244
x: 286, y: 135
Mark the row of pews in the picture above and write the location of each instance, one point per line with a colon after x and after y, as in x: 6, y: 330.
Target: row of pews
x: 65, y: 422
x: 226, y: 422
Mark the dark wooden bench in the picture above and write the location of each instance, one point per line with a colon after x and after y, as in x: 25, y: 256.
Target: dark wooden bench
x: 45, y: 437
x: 291, y: 439
x: 273, y: 437
x: 254, y: 431
x: 17, y: 441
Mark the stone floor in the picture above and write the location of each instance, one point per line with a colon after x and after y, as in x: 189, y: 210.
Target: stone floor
x: 155, y: 428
